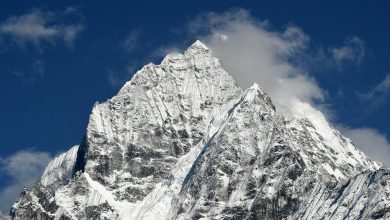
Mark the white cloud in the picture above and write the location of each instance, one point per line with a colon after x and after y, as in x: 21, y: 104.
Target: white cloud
x: 113, y: 79
x: 132, y: 40
x: 352, y: 51
x: 30, y: 26
x: 38, y: 26
x: 251, y: 51
x: 20, y: 169
x: 71, y: 10
x: 116, y: 79
x: 371, y: 142
x: 70, y: 33
x: 34, y: 74
x: 378, y: 94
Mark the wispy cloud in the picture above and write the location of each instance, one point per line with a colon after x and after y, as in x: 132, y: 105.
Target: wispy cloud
x: 131, y: 44
x: 117, y: 79
x: 113, y: 79
x: 327, y: 59
x: 70, y: 33
x: 38, y: 26
x: 378, y: 94
x: 353, y: 51
x: 34, y: 74
x: 29, y: 27
x: 370, y: 141
x: 132, y: 41
x: 20, y: 169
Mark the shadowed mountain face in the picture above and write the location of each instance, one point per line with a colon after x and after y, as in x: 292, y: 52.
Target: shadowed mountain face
x: 182, y: 140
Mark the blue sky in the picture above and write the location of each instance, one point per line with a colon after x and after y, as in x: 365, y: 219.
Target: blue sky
x: 58, y: 59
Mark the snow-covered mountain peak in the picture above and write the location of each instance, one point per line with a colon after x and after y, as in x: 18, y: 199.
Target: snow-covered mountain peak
x: 196, y: 63
x: 198, y: 48
x: 197, y: 51
x: 255, y: 86
x: 134, y: 139
x: 199, y: 43
x: 181, y: 140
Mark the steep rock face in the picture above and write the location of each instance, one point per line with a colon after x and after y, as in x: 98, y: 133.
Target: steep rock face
x: 262, y: 166
x: 182, y: 141
x: 59, y: 171
x: 136, y: 137
x: 365, y: 196
x: 37, y: 204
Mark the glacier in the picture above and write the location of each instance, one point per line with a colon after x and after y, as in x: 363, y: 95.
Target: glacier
x: 181, y: 140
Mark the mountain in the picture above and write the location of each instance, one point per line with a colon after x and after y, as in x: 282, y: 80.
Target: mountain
x: 182, y: 140
x: 3, y: 217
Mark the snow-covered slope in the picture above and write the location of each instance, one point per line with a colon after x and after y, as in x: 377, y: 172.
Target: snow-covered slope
x: 182, y: 141
x: 262, y: 165
x: 365, y: 196
x: 3, y: 217
x: 60, y: 169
